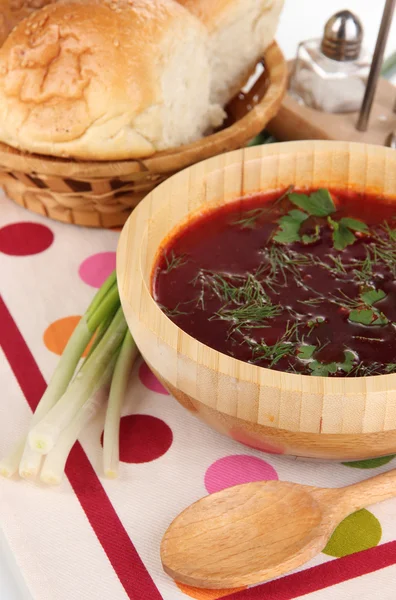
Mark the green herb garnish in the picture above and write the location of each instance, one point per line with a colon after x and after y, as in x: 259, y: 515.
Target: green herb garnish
x: 321, y: 369
x: 305, y: 352
x: 354, y: 224
x: 343, y: 229
x: 290, y: 226
x: 372, y: 297
x: 250, y: 316
x: 250, y: 218
x: 171, y: 313
x: 173, y: 262
x: 367, y: 316
x: 318, y: 204
x: 285, y: 346
x: 311, y: 238
x: 349, y: 359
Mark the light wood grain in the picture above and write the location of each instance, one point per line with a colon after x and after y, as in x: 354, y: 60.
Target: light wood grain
x: 253, y: 532
x: 298, y: 122
x: 102, y: 194
x: 231, y: 395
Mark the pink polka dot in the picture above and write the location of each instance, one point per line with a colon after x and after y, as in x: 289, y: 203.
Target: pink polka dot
x: 234, y: 470
x: 25, y: 238
x: 95, y: 269
x: 143, y: 438
x: 150, y: 381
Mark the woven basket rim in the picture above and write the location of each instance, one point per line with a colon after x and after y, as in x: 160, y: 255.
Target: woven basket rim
x: 173, y: 159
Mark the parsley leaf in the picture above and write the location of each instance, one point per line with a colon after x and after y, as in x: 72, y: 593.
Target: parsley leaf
x: 311, y: 238
x: 349, y: 359
x: 318, y: 204
x: 381, y: 320
x: 373, y: 296
x: 322, y: 370
x: 342, y: 236
x: 367, y: 316
x: 305, y: 352
x: 343, y: 229
x: 290, y: 227
x: 354, y: 224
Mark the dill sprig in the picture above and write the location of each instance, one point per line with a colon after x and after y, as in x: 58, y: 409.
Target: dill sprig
x: 239, y: 289
x: 363, y: 270
x: 246, y: 303
x: 250, y: 316
x: 375, y: 368
x: 283, y: 347
x: 250, y: 218
x: 284, y: 262
x: 173, y: 262
x: 172, y: 312
x: 385, y: 248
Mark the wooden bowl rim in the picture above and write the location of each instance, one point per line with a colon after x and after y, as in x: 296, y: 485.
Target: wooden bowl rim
x: 165, y: 161
x: 252, y: 373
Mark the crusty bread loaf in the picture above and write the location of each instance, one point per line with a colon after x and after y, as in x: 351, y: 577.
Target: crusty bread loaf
x: 97, y: 80
x: 240, y: 31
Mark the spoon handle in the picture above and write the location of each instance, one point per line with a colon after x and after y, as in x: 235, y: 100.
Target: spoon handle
x: 373, y: 490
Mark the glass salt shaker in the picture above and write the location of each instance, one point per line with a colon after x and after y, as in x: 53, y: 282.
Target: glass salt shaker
x: 330, y: 74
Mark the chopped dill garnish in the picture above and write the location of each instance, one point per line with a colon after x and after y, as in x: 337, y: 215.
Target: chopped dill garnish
x: 250, y: 218
x: 172, y: 312
x: 173, y: 262
x: 284, y: 346
x: 250, y: 316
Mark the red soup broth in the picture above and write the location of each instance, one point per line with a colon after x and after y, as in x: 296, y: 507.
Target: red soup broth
x: 267, y: 281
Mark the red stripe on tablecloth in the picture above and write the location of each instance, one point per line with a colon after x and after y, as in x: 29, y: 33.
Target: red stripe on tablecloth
x: 112, y: 534
x: 100, y: 513
x: 322, y: 576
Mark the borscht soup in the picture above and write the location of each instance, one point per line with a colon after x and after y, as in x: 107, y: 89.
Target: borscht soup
x: 301, y: 281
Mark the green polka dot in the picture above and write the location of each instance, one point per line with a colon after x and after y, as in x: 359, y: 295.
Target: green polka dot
x: 360, y: 531
x: 373, y: 463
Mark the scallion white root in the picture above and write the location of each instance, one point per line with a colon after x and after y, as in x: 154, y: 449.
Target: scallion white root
x: 105, y: 303
x: 53, y: 468
x: 119, y: 382
x: 45, y: 434
x: 9, y: 464
x: 30, y: 464
x: 73, y: 397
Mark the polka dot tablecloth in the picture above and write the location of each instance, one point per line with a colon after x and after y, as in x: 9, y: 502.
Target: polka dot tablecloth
x: 96, y: 539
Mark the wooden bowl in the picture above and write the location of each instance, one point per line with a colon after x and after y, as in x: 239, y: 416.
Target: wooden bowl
x: 103, y: 194
x: 317, y: 417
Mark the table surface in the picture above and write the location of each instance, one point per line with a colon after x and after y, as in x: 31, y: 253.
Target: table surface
x: 310, y: 24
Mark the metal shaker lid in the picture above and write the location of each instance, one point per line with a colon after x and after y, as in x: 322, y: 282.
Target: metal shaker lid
x: 343, y: 36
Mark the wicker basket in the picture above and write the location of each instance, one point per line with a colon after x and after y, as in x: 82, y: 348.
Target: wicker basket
x: 102, y: 194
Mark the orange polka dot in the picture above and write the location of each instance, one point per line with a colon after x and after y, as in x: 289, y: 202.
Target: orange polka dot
x: 58, y: 334
x: 200, y: 594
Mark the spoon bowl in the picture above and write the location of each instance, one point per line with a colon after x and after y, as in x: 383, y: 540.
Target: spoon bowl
x: 253, y: 532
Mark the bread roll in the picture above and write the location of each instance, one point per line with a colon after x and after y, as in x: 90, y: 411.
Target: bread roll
x: 105, y: 81
x: 240, y: 31
x: 13, y: 11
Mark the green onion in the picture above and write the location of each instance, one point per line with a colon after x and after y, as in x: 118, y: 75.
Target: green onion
x: 45, y: 434
x: 54, y: 463
x: 75, y: 395
x: 21, y: 457
x: 125, y: 360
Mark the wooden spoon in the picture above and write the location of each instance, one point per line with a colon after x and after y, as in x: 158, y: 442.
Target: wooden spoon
x: 249, y: 533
